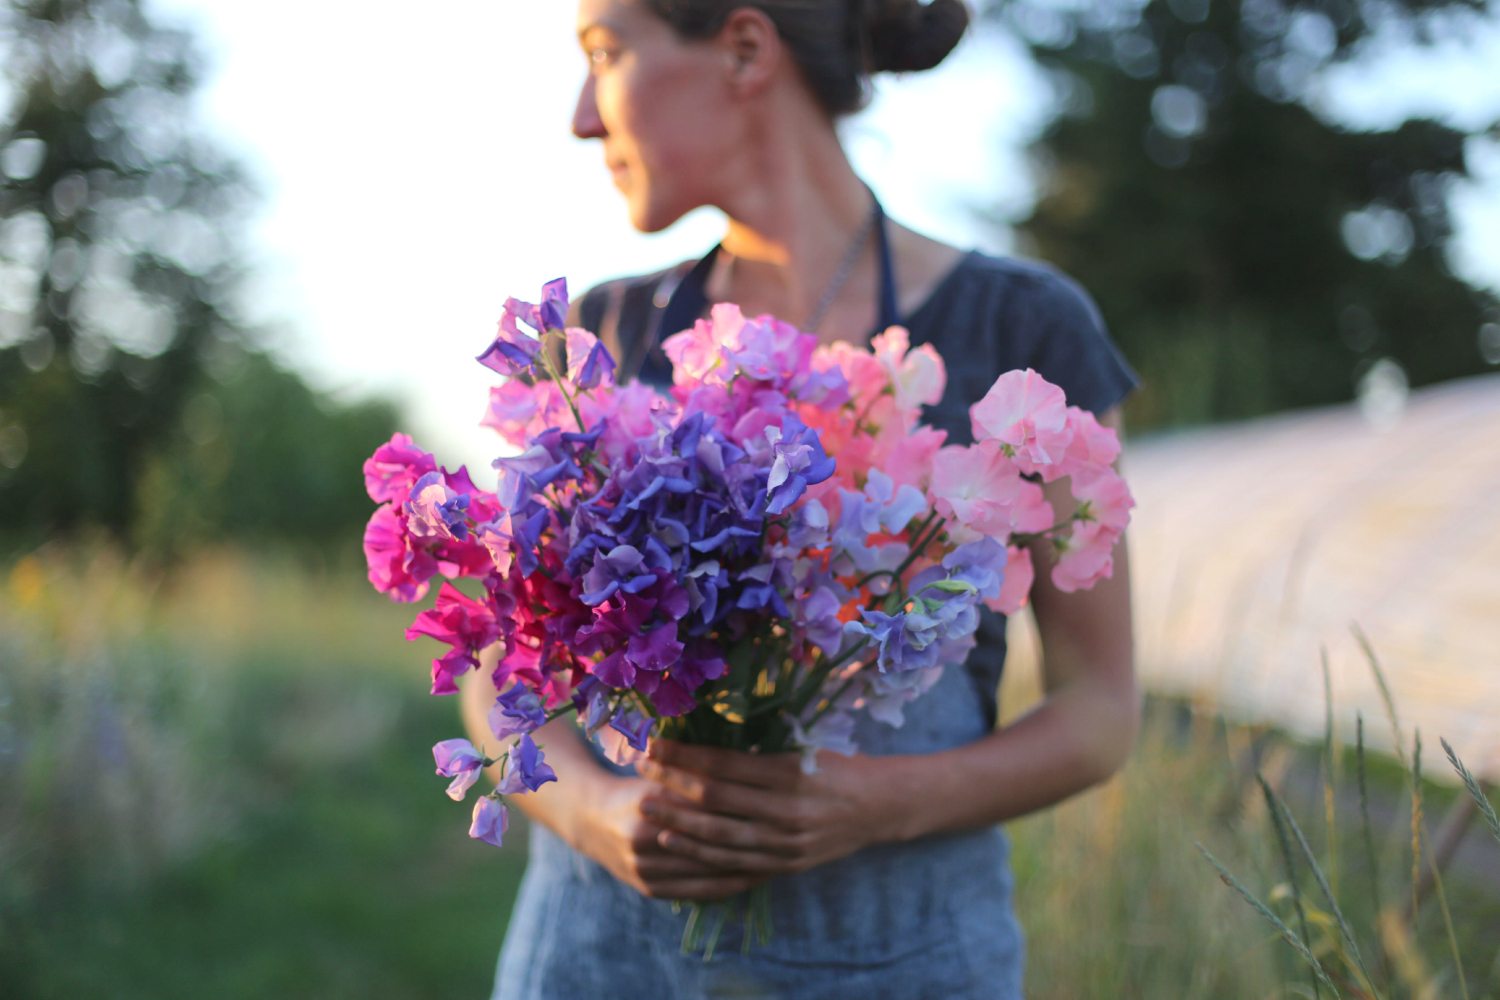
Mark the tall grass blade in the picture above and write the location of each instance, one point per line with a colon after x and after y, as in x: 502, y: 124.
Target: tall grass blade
x: 1416, y: 826
x: 1397, y: 743
x: 1472, y: 784
x: 1330, y: 815
x: 1345, y: 931
x: 1442, y: 898
x: 1373, y: 859
x: 1285, y: 844
x: 1286, y: 932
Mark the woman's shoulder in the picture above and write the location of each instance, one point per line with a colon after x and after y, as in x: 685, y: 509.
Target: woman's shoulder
x: 1001, y: 313
x: 983, y: 283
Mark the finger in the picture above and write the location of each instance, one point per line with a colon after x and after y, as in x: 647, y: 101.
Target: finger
x: 727, y: 831
x: 663, y: 864
x: 724, y: 797
x: 758, y: 770
x: 702, y: 889
x: 727, y: 858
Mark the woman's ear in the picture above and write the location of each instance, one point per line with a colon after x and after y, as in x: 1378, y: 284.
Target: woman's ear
x: 752, y: 49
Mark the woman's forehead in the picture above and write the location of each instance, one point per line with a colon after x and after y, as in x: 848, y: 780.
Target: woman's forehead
x: 613, y: 14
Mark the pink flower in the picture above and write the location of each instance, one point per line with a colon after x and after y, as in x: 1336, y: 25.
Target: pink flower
x: 1030, y: 415
x: 466, y: 625
x: 1087, y: 556
x: 513, y: 405
x: 909, y: 461
x: 1093, y: 444
x: 395, y: 466
x: 980, y: 490
x: 695, y: 353
x: 1015, y: 588
x: 918, y: 376
x: 395, y: 568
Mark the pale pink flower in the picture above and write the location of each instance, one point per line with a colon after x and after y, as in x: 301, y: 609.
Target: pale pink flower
x: 1015, y: 588
x: 1030, y: 415
x: 917, y: 375
x: 1087, y: 556
x: 1093, y: 444
x: 909, y: 461
x: 980, y: 488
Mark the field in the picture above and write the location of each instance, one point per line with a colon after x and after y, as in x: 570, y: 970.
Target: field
x: 217, y: 782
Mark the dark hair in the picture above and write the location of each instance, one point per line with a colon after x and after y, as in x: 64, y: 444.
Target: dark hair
x: 838, y: 44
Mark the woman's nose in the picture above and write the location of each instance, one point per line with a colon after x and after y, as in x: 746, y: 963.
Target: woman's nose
x: 586, y: 122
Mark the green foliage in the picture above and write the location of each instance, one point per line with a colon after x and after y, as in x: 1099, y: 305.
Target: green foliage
x: 1249, y: 254
x: 131, y: 397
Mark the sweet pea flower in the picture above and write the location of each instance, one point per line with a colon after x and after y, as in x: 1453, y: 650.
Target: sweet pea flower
x: 464, y: 624
x: 457, y: 759
x: 490, y: 822
x: 916, y: 376
x: 526, y: 769
x: 589, y: 364
x: 800, y: 462
x: 1016, y: 587
x: 517, y: 711
x: 394, y: 467
x: 436, y: 511
x: 1028, y: 414
x: 833, y: 731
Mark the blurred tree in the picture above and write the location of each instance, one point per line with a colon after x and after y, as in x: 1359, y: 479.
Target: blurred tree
x: 121, y: 260
x: 1249, y: 252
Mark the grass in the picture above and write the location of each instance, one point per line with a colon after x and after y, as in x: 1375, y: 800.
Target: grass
x: 217, y: 783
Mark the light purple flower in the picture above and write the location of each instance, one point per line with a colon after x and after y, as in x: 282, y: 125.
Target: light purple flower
x: 457, y: 759
x: 490, y: 821
x: 834, y: 731
x: 518, y: 710
x: 635, y: 727
x: 799, y: 463
x: 526, y: 770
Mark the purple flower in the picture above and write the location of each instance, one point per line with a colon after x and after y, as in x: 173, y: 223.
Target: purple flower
x: 457, y: 759
x: 906, y: 640
x: 435, y: 511
x: 552, y: 314
x: 589, y: 364
x: 799, y: 462
x: 518, y: 710
x: 526, y: 770
x: 833, y: 731
x: 635, y: 727
x: 490, y: 821
x: 621, y: 569
x: 513, y: 351
x: 655, y: 650
x: 818, y: 615
x: 981, y: 564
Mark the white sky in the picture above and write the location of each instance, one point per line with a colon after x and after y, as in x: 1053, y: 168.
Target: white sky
x: 419, y: 169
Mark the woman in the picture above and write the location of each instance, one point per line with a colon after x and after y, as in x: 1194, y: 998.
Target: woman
x: 889, y: 874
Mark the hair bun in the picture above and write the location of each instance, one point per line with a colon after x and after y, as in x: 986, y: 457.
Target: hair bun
x: 907, y: 35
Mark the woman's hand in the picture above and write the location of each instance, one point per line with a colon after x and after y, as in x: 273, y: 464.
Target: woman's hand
x: 759, y: 813
x: 616, y: 833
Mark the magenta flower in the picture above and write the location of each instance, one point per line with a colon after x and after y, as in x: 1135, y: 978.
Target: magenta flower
x: 395, y: 466
x: 457, y: 759
x: 464, y: 624
x: 490, y: 821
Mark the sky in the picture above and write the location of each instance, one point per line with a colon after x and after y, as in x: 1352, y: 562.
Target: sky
x: 418, y: 169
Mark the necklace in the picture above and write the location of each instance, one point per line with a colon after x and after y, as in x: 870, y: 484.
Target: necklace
x: 845, y: 268
x: 840, y: 275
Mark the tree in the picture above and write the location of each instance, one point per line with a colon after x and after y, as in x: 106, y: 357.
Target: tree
x: 121, y: 259
x: 1250, y: 253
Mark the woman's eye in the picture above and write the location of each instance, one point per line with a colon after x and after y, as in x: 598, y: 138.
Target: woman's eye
x: 600, y: 57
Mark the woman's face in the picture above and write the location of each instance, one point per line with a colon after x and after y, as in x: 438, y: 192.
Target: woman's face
x: 660, y: 107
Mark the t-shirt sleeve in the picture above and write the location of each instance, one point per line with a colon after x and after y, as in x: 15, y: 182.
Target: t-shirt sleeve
x: 1071, y: 347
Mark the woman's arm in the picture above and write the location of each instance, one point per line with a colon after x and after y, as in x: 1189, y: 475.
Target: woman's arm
x: 595, y: 811
x: 762, y: 814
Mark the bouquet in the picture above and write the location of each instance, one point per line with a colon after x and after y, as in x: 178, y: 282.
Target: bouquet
x: 748, y: 560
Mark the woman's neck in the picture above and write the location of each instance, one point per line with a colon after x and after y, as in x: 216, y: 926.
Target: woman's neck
x: 794, y: 221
